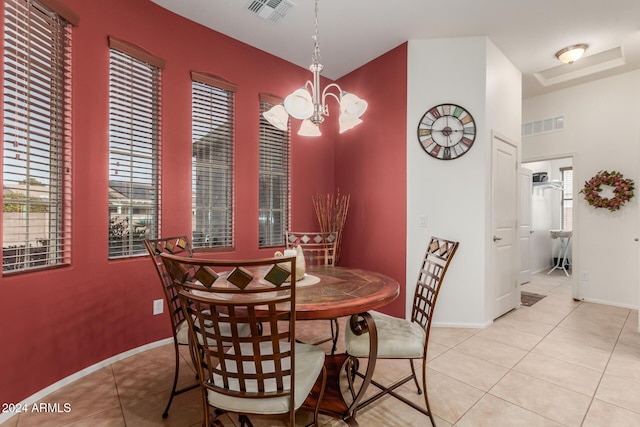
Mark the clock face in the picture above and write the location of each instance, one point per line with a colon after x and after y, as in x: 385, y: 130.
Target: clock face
x: 446, y: 131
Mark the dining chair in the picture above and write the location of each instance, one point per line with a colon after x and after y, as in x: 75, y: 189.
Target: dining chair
x: 401, y: 338
x: 264, y: 373
x: 319, y: 249
x: 178, y: 245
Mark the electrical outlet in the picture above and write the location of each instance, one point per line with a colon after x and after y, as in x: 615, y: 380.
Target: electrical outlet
x: 158, y: 306
x: 584, y: 276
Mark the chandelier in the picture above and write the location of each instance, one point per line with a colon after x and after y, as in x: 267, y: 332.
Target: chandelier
x: 308, y: 105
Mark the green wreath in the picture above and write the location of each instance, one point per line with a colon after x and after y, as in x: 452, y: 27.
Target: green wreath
x: 622, y: 190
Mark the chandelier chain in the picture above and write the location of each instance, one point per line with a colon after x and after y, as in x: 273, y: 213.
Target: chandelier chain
x: 316, y: 44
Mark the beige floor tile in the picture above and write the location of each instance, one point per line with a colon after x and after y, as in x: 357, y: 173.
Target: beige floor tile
x: 620, y: 392
x: 434, y: 350
x: 91, y: 395
x: 449, y: 398
x: 625, y: 362
x: 468, y: 369
x: 546, y: 399
x: 450, y: 337
x: 491, y: 411
x: 602, y: 414
x: 110, y: 418
x: 511, y: 321
x: 389, y: 411
x: 596, y: 321
x: 527, y: 314
x: 564, y: 374
x: 508, y: 336
x: 630, y: 334
x: 577, y: 354
x: 583, y: 338
x: 550, y: 311
x: 492, y: 351
x: 186, y: 409
x: 147, y: 374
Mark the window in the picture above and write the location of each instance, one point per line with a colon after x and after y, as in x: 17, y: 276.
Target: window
x: 36, y: 180
x: 567, y: 198
x: 273, y: 210
x: 134, y: 149
x: 212, y: 113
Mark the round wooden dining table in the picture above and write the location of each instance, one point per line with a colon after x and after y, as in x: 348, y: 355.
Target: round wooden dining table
x: 341, y: 292
x: 334, y: 292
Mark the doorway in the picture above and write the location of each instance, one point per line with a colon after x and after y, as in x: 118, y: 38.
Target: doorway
x: 552, y: 216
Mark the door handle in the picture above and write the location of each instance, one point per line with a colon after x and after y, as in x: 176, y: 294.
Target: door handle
x: 496, y: 238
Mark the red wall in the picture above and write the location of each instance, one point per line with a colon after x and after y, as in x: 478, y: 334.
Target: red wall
x: 371, y: 165
x: 57, y: 322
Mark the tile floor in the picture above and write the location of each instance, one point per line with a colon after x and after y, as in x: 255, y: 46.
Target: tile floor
x: 556, y: 363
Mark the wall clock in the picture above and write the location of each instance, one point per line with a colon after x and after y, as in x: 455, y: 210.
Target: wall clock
x: 446, y: 131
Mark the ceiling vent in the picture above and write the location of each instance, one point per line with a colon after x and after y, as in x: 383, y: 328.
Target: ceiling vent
x: 270, y: 10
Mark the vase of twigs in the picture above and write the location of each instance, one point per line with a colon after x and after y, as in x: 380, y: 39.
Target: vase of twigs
x: 331, y: 211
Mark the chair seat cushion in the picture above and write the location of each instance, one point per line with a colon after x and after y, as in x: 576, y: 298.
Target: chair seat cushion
x: 308, y: 365
x: 182, y: 332
x: 397, y: 339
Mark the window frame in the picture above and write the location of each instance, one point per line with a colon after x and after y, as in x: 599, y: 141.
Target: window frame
x: 213, y: 109
x: 566, y: 222
x: 37, y: 73
x: 134, y: 148
x: 274, y: 201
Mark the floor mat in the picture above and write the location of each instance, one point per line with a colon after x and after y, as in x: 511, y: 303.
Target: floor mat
x: 529, y: 298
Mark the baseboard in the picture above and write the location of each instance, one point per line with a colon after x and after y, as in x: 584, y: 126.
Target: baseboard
x: 36, y: 397
x: 611, y: 303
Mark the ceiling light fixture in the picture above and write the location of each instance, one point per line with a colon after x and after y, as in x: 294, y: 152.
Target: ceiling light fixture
x: 570, y: 54
x: 307, y: 105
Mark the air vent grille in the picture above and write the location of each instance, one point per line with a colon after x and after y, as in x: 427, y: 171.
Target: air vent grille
x: 270, y: 10
x: 543, y: 126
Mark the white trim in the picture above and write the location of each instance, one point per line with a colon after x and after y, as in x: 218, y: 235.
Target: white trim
x: 609, y: 303
x: 83, y: 373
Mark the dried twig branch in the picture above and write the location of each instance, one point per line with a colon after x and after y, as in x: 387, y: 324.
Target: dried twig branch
x: 331, y: 212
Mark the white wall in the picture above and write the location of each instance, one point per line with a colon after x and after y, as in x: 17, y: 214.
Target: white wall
x: 455, y: 195
x: 602, y: 131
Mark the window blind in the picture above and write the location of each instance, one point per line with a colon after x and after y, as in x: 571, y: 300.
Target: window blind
x: 134, y: 150
x: 36, y: 218
x: 212, y: 115
x: 274, y: 191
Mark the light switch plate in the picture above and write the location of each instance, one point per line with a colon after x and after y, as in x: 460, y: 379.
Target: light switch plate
x: 158, y: 306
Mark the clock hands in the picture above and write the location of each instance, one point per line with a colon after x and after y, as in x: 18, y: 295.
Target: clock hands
x: 445, y: 130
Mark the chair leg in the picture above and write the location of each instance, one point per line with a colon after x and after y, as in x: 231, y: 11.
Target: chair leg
x: 176, y: 371
x: 335, y: 333
x: 426, y: 398
x: 415, y: 378
x: 174, y: 390
x: 244, y: 421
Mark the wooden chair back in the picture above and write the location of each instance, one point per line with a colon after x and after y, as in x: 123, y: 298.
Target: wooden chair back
x: 221, y: 295
x: 439, y: 254
x: 319, y: 248
x: 176, y: 245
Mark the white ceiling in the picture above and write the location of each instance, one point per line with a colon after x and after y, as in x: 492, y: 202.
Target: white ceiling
x: 353, y: 32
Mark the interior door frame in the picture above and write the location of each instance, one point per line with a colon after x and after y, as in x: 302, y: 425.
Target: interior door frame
x: 575, y: 238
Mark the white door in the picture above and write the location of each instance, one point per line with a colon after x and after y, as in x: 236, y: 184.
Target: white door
x: 524, y: 226
x: 506, y: 291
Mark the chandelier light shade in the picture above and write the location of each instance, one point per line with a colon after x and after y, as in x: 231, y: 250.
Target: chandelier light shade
x: 308, y: 103
x: 570, y: 54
